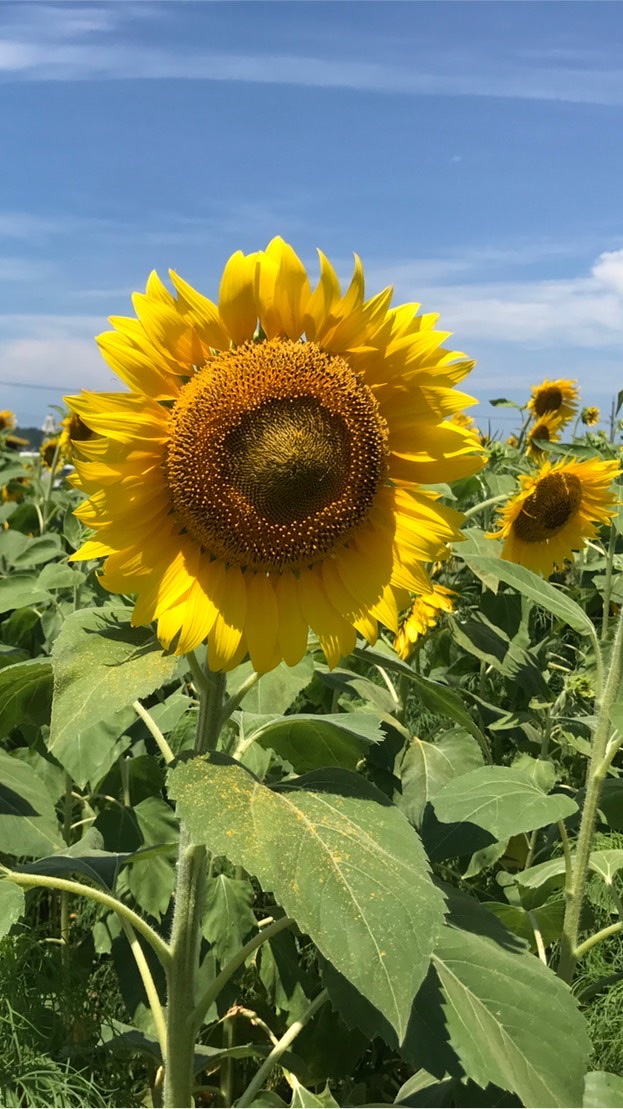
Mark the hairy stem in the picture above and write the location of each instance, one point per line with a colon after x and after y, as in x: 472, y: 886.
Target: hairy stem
x: 576, y: 881
x: 189, y: 899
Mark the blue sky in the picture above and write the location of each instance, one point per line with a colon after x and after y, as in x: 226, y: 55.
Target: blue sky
x: 469, y: 152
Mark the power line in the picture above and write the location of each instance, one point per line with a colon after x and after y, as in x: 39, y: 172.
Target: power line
x: 30, y: 385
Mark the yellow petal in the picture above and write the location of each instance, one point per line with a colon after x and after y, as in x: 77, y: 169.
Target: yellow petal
x: 292, y: 629
x: 203, y: 314
x: 236, y: 300
x: 230, y: 600
x: 261, y: 623
x: 337, y: 637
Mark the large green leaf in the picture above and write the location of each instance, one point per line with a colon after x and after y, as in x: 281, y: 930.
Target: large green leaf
x: 427, y: 767
x: 342, y: 861
x: 511, y: 1021
x: 534, y: 587
x: 275, y: 691
x: 309, y: 742
x: 28, y: 824
x: 502, y: 800
x: 603, y: 1090
x: 88, y: 753
x: 35, y: 551
x: 25, y: 693
x: 20, y: 590
x: 101, y: 665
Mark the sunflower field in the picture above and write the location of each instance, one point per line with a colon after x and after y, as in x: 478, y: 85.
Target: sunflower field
x: 311, y: 698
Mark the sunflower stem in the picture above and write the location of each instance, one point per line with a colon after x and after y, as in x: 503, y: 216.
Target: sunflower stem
x: 598, y: 767
x: 189, y: 900
x: 612, y: 540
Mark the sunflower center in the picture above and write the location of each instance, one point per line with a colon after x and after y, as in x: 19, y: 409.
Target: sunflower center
x: 548, y: 400
x: 555, y: 500
x: 541, y: 431
x: 277, y: 451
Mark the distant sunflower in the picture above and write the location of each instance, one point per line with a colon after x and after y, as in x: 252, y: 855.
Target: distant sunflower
x: 512, y: 441
x: 7, y: 420
x: 74, y: 431
x: 252, y: 484
x: 424, y: 613
x: 590, y: 416
x: 556, y: 512
x: 547, y: 429
x: 462, y: 419
x: 559, y: 397
x: 48, y: 452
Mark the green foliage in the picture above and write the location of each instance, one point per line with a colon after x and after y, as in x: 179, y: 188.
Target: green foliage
x: 396, y: 833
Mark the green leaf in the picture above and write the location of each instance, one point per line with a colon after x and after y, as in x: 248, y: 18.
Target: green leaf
x: 28, y: 824
x: 511, y: 1021
x: 309, y: 742
x: 534, y: 587
x: 502, y: 402
x: 88, y: 755
x: 340, y: 859
x: 25, y: 694
x: 20, y: 590
x: 427, y: 767
x: 305, y: 1099
x: 603, y: 1090
x: 502, y: 800
x: 229, y: 918
x: 12, y: 905
x: 43, y: 548
x: 58, y: 575
x: 273, y: 692
x: 548, y: 918
x: 151, y: 878
x: 101, y: 665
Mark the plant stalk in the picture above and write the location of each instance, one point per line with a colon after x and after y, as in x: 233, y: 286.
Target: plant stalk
x: 186, y: 931
x: 574, y: 890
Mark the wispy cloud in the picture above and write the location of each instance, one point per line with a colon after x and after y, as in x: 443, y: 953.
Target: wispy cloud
x: 78, y: 42
x: 584, y: 311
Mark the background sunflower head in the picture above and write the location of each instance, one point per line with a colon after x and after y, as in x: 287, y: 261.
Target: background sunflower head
x: 556, y: 512
x: 547, y: 429
x: 425, y: 611
x: 264, y: 472
x: 559, y: 397
x: 590, y: 416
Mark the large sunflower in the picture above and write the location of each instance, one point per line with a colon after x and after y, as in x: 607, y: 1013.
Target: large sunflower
x: 556, y: 512
x: 559, y: 397
x: 252, y: 484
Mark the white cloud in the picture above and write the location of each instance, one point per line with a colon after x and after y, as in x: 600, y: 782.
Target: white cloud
x: 58, y: 352
x: 583, y: 311
x: 90, y: 42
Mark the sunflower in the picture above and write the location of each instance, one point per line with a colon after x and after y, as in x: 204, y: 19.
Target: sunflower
x: 252, y: 484
x: 556, y: 512
x: 512, y: 441
x: 74, y: 431
x: 559, y: 397
x: 548, y: 429
x: 48, y: 452
x: 7, y: 420
x: 462, y: 419
x: 590, y: 416
x: 423, y: 614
